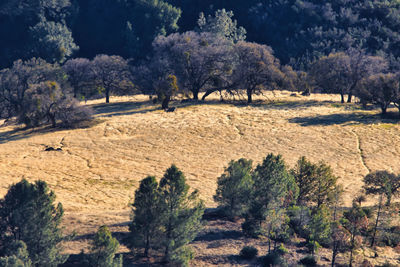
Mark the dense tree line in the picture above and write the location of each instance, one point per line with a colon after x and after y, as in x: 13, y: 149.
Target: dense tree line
x: 344, y: 47
x: 272, y: 201
x: 296, y: 30
x: 277, y: 203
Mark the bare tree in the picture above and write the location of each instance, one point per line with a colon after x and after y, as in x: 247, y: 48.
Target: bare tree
x: 14, y: 83
x: 380, y: 89
x: 342, y: 72
x: 111, y: 74
x: 195, y: 58
x: 79, y: 74
x: 256, y: 68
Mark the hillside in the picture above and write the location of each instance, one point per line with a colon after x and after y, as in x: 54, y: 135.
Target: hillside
x: 99, y: 166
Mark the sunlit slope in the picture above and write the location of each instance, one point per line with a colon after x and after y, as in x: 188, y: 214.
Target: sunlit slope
x: 100, y: 166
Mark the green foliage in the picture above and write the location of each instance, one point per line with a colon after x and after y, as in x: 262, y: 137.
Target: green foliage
x: 28, y: 214
x: 234, y: 187
x: 308, y: 261
x: 181, y: 215
x: 166, y: 216
x: 319, y: 228
x: 391, y: 237
x: 145, y: 227
x: 316, y: 182
x: 273, y: 188
x: 282, y: 250
x: 102, y: 250
x: 151, y: 18
x: 167, y: 88
x: 52, y: 41
x: 248, y: 253
x: 273, y: 259
x: 222, y: 25
x: 17, y: 256
x: 299, y: 219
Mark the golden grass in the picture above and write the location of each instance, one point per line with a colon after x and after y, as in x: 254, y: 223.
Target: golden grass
x: 99, y: 167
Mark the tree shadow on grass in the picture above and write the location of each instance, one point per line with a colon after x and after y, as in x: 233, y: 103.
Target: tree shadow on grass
x: 219, y: 235
x: 346, y: 119
x: 124, y: 108
x: 20, y: 133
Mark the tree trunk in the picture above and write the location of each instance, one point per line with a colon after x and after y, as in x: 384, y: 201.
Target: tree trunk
x: 249, y: 96
x: 195, y: 94
x: 384, y: 109
x: 107, y: 95
x: 342, y: 97
x: 349, y: 97
x: 165, y: 102
x: 351, y: 258
x: 333, y: 257
x: 208, y: 92
x: 53, y: 120
x: 377, y: 220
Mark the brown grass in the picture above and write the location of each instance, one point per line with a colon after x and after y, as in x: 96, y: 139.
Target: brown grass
x: 100, y: 166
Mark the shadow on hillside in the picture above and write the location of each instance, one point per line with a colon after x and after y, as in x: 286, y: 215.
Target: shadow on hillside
x: 279, y: 105
x: 220, y: 235
x: 23, y: 132
x: 124, y: 108
x: 350, y: 118
x: 129, y: 260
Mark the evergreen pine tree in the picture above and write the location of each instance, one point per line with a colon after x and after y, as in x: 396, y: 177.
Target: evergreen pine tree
x: 273, y: 187
x: 234, y: 187
x: 319, y: 228
x: 28, y: 214
x: 103, y: 249
x: 181, y: 216
x: 316, y: 182
x: 145, y: 227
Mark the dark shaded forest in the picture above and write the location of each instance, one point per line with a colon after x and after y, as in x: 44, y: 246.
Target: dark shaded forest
x: 297, y: 31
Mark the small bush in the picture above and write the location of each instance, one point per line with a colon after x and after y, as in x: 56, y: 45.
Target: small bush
x: 281, y: 250
x: 273, y: 259
x: 248, y: 253
x: 308, y: 261
x: 391, y: 237
x: 50, y: 102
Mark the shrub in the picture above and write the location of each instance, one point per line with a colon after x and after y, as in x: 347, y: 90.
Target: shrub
x: 281, y: 250
x: 103, y: 249
x: 391, y: 237
x: 308, y: 261
x: 300, y: 217
x: 17, y: 255
x: 36, y: 93
x: 48, y: 101
x: 273, y: 259
x: 248, y: 253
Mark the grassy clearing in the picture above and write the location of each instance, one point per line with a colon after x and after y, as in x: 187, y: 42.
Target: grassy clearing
x: 101, y: 164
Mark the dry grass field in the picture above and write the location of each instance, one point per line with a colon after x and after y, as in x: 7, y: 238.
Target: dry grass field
x: 100, y: 166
